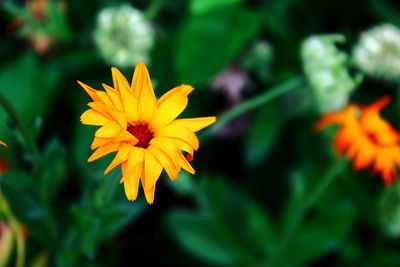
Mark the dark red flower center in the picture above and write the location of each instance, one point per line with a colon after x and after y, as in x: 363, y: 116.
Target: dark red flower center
x: 373, y: 138
x: 142, y: 133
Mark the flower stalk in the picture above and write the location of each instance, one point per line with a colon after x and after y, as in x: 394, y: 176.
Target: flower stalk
x: 17, y: 230
x: 298, y: 215
x: 23, y: 130
x: 253, y: 103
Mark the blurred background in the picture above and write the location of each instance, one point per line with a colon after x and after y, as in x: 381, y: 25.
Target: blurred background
x: 268, y: 190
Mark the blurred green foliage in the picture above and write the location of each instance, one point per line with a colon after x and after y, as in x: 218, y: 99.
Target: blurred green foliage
x: 268, y: 191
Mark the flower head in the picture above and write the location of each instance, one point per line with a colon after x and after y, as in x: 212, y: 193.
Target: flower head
x: 326, y: 71
x: 123, y: 35
x: 142, y: 130
x: 366, y: 137
x: 377, y: 53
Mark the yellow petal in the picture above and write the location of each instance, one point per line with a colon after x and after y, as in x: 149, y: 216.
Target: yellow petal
x: 121, y: 80
x: 184, y: 89
x: 109, y: 130
x: 118, y: 78
x: 152, y: 171
x: 178, y: 131
x: 196, y: 124
x: 131, y: 183
x: 104, y: 150
x: 126, y: 136
x: 182, y: 145
x: 92, y: 117
x: 185, y: 164
x: 149, y: 194
x: 136, y: 157
x: 143, y: 91
x: 104, y: 98
x: 123, y: 169
x: 122, y: 155
x: 110, y: 112
x: 99, y: 141
x: 114, y: 96
x: 168, y: 161
x: 168, y: 110
x: 129, y: 102
x: 140, y: 79
x: 90, y: 91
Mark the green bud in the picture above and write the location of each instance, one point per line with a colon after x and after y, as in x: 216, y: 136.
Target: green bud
x: 258, y: 59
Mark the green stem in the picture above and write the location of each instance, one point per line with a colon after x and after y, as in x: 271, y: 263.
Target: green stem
x: 28, y: 138
x: 17, y: 230
x: 252, y: 103
x: 294, y: 224
x: 154, y: 8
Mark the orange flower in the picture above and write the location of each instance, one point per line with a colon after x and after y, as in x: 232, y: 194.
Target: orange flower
x: 143, y: 130
x: 366, y: 138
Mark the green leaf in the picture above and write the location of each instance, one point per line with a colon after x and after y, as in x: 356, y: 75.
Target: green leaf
x: 228, y: 228
x: 197, y: 235
x: 325, y: 231
x: 28, y: 207
x: 263, y: 133
x: 51, y: 175
x: 208, y: 42
x: 203, y: 6
x: 29, y: 85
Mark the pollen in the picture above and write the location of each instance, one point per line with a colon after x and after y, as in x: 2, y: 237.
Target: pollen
x: 142, y: 133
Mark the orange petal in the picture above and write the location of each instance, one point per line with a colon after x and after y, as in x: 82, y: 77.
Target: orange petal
x: 90, y: 91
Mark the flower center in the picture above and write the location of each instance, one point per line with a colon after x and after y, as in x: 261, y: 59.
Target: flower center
x: 142, y: 133
x: 373, y: 138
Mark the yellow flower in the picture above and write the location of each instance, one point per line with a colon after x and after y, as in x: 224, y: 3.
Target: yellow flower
x: 142, y: 130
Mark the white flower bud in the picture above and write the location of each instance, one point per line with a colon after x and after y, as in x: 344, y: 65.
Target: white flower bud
x: 377, y: 53
x: 124, y: 36
x: 325, y: 68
